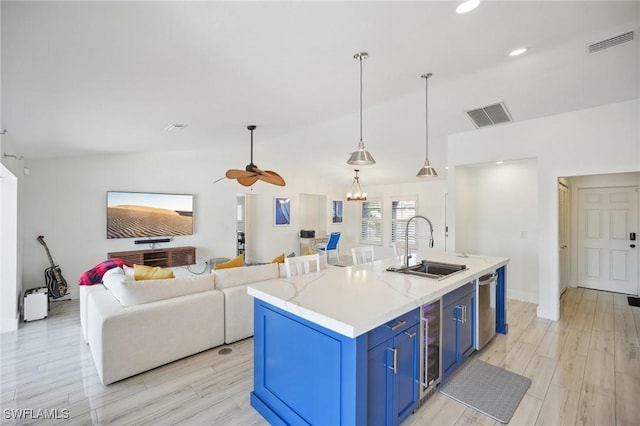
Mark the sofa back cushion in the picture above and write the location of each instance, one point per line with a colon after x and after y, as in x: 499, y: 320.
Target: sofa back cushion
x: 132, y: 293
x: 225, y: 278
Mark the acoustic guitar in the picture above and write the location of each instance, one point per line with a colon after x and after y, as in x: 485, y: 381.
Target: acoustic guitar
x: 53, y: 277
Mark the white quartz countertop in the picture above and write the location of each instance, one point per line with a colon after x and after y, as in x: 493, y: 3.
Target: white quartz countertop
x: 356, y: 299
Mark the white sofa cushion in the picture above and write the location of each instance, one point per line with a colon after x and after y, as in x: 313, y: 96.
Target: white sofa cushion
x: 238, y: 313
x: 232, y: 277
x: 132, y: 293
x: 84, y: 294
x: 128, y: 341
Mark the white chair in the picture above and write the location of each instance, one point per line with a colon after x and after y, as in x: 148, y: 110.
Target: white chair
x: 398, y: 249
x: 362, y: 254
x: 301, y: 264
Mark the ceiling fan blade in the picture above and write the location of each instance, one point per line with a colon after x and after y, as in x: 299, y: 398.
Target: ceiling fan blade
x: 271, y: 177
x: 252, y: 173
x: 247, y: 180
x: 236, y: 173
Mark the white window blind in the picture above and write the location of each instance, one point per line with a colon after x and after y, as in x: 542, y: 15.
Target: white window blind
x: 371, y: 224
x: 401, y: 212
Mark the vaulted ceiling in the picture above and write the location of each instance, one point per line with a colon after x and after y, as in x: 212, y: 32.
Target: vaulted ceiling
x: 82, y: 78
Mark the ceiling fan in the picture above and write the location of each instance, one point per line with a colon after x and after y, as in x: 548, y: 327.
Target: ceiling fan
x: 252, y: 173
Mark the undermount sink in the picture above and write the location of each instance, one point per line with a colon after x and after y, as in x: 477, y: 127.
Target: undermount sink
x: 429, y: 269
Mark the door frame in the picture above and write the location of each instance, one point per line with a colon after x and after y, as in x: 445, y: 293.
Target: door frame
x: 566, y: 262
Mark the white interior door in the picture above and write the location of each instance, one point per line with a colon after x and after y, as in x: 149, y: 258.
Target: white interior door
x: 607, y: 256
x: 563, y: 237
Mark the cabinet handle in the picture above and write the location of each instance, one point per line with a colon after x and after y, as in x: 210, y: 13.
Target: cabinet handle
x: 464, y: 314
x: 458, y: 313
x: 397, y: 325
x: 411, y: 335
x: 395, y: 359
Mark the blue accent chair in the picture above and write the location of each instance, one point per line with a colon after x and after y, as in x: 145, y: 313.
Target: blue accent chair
x: 330, y: 246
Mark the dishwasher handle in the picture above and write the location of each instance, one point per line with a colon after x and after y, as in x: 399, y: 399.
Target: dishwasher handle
x: 488, y: 279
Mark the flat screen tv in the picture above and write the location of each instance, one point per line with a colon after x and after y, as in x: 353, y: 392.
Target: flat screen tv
x: 144, y: 214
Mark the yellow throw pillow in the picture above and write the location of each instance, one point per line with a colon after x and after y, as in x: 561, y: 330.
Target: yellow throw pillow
x: 233, y: 263
x: 143, y: 272
x: 308, y: 252
x: 279, y: 259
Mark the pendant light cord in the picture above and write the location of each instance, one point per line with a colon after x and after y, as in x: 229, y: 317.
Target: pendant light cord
x: 426, y: 113
x: 360, y: 98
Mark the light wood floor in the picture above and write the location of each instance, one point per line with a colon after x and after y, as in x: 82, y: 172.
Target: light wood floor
x: 585, y: 369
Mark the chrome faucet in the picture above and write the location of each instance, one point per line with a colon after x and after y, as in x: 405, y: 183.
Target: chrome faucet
x: 406, y: 237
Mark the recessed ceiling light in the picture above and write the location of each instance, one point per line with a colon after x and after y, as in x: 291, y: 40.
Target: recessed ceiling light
x: 467, y: 6
x: 446, y: 167
x: 517, y: 52
x: 499, y: 162
x: 176, y: 127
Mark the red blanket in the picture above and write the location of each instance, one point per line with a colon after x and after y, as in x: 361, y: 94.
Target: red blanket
x: 94, y: 275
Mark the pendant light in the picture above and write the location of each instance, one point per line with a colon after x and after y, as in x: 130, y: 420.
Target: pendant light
x: 427, y: 170
x: 356, y: 194
x: 361, y: 157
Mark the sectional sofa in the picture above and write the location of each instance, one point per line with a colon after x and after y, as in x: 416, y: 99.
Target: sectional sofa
x: 134, y: 326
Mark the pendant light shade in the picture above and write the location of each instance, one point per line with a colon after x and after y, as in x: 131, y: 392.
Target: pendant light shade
x: 356, y: 193
x: 427, y: 170
x: 361, y: 157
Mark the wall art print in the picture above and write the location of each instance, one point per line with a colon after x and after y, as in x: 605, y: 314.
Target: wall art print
x: 336, y: 211
x: 282, y: 211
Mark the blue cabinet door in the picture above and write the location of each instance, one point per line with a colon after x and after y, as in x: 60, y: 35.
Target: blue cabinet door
x: 393, y: 373
x: 458, y: 327
x: 379, y: 385
x: 407, y: 347
x: 449, y: 325
x: 466, y: 327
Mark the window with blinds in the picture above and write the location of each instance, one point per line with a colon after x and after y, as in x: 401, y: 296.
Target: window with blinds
x: 401, y: 212
x: 371, y: 222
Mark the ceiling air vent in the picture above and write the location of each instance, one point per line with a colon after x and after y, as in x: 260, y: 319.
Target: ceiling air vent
x: 489, y: 115
x: 613, y: 41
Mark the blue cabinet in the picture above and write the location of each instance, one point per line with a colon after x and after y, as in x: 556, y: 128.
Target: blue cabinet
x: 393, y: 371
x: 458, y: 325
x: 305, y: 374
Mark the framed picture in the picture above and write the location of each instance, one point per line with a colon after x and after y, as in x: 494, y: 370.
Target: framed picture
x: 336, y: 211
x: 281, y: 212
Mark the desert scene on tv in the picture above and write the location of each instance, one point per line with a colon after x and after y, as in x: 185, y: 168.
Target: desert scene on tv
x: 131, y: 215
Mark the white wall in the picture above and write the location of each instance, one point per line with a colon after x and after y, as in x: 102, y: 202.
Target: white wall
x: 10, y: 235
x: 598, y: 140
x: 65, y: 200
x: 9, y: 288
x: 313, y: 213
x: 497, y: 213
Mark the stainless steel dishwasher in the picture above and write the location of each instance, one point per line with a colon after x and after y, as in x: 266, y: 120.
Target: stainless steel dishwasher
x: 486, y: 324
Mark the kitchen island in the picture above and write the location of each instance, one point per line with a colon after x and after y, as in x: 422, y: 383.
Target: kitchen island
x: 341, y: 346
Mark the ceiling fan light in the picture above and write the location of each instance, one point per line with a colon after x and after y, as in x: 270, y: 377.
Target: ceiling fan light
x: 427, y: 171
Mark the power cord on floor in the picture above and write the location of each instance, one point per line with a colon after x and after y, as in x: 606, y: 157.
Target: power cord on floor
x: 206, y: 268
